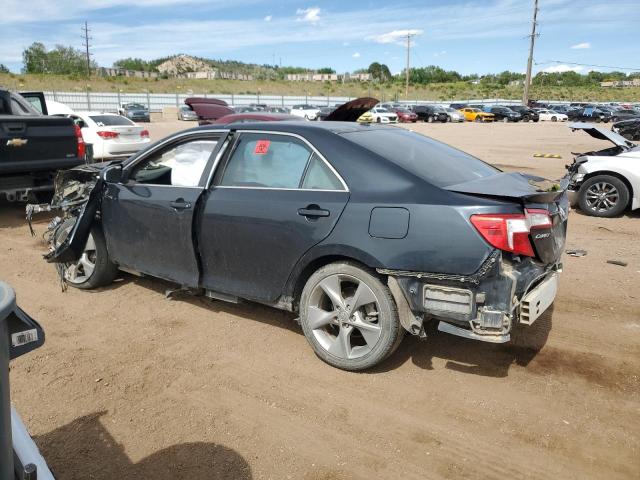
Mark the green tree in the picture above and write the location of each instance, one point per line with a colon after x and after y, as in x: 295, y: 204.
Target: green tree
x: 61, y: 60
x: 34, y: 58
x: 3, y: 68
x: 132, y: 64
x: 379, y: 72
x: 326, y: 70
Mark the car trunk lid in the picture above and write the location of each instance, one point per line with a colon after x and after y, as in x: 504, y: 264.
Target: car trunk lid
x: 532, y: 193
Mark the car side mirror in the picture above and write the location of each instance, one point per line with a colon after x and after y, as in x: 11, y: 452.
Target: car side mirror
x: 112, y: 174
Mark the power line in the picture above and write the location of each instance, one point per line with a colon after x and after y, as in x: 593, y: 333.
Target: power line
x: 86, y: 44
x: 527, y: 82
x: 588, y: 65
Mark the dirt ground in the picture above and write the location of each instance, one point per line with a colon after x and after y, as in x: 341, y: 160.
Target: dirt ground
x: 132, y: 385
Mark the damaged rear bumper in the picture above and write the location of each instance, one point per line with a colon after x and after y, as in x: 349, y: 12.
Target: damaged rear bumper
x: 484, y: 306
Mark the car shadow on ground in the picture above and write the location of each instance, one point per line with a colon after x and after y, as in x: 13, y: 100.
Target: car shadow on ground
x: 460, y: 354
x: 469, y: 356
x: 85, y: 449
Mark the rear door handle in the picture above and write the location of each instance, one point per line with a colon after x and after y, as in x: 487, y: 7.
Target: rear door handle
x: 313, y: 211
x: 180, y: 204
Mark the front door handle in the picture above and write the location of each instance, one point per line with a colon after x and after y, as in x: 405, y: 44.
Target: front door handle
x: 180, y: 204
x: 313, y: 211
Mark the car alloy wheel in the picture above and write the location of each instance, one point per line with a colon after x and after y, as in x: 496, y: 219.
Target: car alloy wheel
x: 343, y: 315
x: 602, y: 197
x: 554, y: 119
x: 349, y: 316
x: 430, y: 119
x: 505, y: 120
x: 81, y: 271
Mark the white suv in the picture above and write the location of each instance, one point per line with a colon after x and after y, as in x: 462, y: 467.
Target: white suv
x: 308, y: 112
x: 382, y: 115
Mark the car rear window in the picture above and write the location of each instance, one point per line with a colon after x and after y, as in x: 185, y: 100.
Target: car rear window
x: 111, y: 120
x: 429, y: 159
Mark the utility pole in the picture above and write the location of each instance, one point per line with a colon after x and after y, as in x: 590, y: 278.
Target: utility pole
x: 532, y: 38
x: 86, y: 38
x: 406, y: 87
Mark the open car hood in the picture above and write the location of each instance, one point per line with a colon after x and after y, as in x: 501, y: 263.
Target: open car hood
x: 209, y: 108
x: 602, y: 134
x: 351, y: 111
x: 519, y: 186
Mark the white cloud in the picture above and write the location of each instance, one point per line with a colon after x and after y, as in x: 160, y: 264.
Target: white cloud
x: 396, y: 36
x: 563, y: 68
x: 311, y: 15
x: 581, y: 46
x: 268, y: 18
x: 440, y: 53
x: 356, y: 55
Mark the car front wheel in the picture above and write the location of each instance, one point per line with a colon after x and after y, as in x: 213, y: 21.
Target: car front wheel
x: 94, y: 268
x: 349, y: 317
x: 603, y: 196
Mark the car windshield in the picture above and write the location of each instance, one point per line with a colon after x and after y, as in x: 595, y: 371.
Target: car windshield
x: 381, y: 110
x: 111, y: 120
x: 403, y: 110
x: 475, y: 109
x: 429, y: 159
x: 451, y: 110
x: 134, y: 106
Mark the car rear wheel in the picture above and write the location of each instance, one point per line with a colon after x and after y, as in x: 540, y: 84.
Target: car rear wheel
x: 430, y: 119
x: 554, y: 119
x: 505, y: 120
x: 603, y: 196
x: 349, y: 317
x: 93, y: 269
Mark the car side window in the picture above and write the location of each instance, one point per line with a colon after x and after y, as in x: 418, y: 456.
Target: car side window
x: 179, y: 165
x: 320, y: 177
x: 266, y: 161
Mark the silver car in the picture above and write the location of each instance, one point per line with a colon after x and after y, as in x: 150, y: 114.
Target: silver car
x: 606, y: 182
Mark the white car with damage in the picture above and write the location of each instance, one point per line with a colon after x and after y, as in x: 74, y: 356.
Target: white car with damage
x: 605, y: 183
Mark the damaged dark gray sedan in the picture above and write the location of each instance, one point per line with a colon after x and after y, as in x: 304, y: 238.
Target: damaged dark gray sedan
x: 367, y: 231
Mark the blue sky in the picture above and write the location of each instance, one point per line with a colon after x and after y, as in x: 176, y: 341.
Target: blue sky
x: 470, y: 36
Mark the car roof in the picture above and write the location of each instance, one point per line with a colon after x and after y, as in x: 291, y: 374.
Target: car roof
x: 300, y: 127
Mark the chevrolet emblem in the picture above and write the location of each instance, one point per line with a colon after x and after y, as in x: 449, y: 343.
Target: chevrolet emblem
x: 17, y: 142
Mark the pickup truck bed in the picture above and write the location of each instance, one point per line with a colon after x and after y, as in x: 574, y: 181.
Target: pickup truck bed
x: 33, y: 147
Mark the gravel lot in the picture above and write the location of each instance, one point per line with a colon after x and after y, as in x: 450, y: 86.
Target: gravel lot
x: 132, y: 385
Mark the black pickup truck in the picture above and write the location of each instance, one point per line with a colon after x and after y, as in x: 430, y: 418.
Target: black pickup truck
x: 34, y: 145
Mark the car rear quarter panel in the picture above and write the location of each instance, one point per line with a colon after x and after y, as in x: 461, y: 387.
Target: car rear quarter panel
x: 440, y: 237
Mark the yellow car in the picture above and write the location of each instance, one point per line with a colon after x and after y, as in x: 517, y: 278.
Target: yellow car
x: 366, y: 117
x: 476, y: 115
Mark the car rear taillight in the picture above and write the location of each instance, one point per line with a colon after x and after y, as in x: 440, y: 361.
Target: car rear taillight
x: 82, y: 148
x: 106, y: 134
x: 144, y: 133
x: 510, y: 232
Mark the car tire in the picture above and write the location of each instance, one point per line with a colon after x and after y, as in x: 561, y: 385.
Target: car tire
x: 104, y: 270
x: 378, y: 120
x: 594, y: 186
x: 430, y: 119
x: 505, y: 120
x: 532, y: 337
x: 554, y: 119
x: 345, y: 345
x: 477, y: 119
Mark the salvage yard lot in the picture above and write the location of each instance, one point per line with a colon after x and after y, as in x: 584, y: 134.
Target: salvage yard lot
x: 132, y: 385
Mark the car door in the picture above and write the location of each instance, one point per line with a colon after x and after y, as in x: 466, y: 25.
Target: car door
x: 148, y: 217
x: 274, y: 198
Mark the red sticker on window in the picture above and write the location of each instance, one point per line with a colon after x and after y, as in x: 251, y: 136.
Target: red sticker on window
x: 262, y: 147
